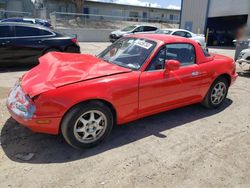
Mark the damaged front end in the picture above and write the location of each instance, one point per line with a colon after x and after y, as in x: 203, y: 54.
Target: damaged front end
x: 244, y: 57
x: 20, y: 104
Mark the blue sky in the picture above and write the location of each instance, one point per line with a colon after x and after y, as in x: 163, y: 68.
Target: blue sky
x: 166, y: 3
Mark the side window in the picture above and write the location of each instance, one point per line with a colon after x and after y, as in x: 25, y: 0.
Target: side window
x: 139, y: 29
x: 6, y: 31
x: 158, y: 61
x: 188, y: 35
x: 183, y: 52
x: 149, y: 28
x: 44, y: 32
x: 179, y: 33
x: 22, y: 31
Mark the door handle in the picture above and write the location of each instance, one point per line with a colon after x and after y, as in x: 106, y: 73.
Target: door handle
x: 195, y: 73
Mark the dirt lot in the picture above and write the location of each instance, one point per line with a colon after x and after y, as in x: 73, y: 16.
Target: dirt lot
x: 187, y: 147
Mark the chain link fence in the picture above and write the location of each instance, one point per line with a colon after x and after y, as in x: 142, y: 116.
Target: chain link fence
x: 61, y: 20
x: 10, y: 14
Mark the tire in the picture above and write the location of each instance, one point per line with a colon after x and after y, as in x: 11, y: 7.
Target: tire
x: 51, y: 50
x: 214, y: 97
x: 71, y: 49
x: 81, y: 129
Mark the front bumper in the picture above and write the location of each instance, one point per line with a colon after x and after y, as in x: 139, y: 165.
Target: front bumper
x: 22, y: 109
x: 234, y: 78
x: 241, y: 61
x: 52, y: 127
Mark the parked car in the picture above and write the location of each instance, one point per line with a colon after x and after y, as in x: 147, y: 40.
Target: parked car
x: 244, y: 57
x: 200, y: 39
x: 84, y: 96
x: 130, y: 30
x: 242, y: 51
x: 25, y: 43
x: 28, y: 20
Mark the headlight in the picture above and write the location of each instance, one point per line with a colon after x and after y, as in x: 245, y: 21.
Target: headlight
x: 20, y: 103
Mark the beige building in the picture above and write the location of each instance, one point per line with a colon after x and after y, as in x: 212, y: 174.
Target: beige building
x: 113, y: 9
x: 17, y: 5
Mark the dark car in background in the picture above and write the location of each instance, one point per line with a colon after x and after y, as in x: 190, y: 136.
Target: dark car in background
x: 25, y: 43
x: 29, y: 20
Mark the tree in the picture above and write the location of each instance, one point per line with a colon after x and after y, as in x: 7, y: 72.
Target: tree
x: 78, y: 5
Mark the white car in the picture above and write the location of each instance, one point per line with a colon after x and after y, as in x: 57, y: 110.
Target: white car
x: 115, y: 35
x: 199, y: 38
x: 244, y: 56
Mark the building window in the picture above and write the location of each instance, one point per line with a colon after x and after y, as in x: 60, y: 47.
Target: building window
x: 133, y: 14
x: 116, y: 12
x: 95, y: 11
x: 173, y: 17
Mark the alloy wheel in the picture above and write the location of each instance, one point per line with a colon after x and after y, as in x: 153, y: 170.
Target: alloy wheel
x: 90, y: 126
x: 218, y: 93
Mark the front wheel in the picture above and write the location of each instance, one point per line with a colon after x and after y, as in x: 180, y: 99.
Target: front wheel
x: 87, y: 124
x: 217, y: 93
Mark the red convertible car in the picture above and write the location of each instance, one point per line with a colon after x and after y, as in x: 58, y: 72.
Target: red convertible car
x: 83, y: 96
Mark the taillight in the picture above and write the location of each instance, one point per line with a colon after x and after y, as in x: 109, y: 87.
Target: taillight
x: 74, y: 40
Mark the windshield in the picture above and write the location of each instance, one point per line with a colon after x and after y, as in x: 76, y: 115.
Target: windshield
x: 168, y: 32
x: 206, y: 52
x: 128, y: 52
x: 129, y: 28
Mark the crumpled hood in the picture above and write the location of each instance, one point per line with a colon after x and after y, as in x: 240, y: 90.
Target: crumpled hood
x: 58, y: 69
x: 119, y: 32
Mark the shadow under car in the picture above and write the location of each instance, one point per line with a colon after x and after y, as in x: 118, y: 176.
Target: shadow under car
x: 17, y: 139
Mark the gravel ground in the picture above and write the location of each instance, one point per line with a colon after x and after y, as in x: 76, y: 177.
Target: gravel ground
x: 186, y: 147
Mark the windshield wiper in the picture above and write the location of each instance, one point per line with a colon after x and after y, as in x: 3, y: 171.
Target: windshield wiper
x: 104, y: 59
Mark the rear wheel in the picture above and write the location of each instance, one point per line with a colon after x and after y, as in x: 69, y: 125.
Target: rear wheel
x: 87, y: 124
x: 51, y: 50
x: 217, y: 93
x: 72, y: 49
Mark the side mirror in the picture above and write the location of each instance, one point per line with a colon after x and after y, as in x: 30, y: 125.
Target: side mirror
x: 171, y: 65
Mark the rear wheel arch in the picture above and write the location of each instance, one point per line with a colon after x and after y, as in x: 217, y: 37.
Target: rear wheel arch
x: 226, y: 76
x: 214, y: 91
x: 51, y: 49
x: 70, y: 49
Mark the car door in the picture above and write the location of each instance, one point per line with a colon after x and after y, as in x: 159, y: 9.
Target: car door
x: 29, y: 43
x: 7, y: 52
x: 158, y: 90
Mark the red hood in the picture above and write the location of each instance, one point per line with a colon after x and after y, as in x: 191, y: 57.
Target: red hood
x: 58, y: 69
